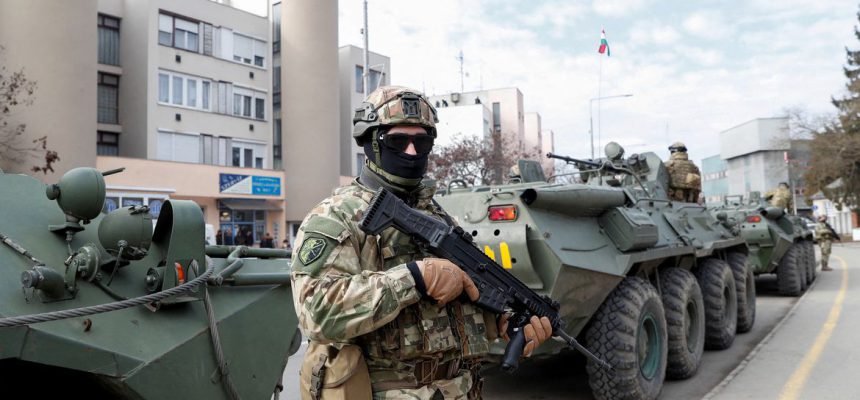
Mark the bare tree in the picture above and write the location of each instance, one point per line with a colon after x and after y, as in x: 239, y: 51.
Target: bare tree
x: 16, y: 90
x: 478, y: 161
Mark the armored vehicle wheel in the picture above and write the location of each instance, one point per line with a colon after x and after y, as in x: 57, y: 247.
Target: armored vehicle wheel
x: 721, y: 303
x: 810, y: 260
x: 745, y: 285
x: 802, y: 268
x: 788, y: 273
x: 685, y: 322
x: 629, y: 331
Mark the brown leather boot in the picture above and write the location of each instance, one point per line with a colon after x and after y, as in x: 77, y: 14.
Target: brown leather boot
x: 826, y: 268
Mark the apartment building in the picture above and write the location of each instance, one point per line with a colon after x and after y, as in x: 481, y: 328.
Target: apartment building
x: 351, y: 74
x: 178, y: 93
x: 480, y: 113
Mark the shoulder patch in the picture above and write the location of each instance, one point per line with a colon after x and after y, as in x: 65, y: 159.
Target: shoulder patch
x: 327, y: 227
x: 311, y: 249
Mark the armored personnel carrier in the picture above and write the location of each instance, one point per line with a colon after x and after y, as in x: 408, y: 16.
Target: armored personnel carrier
x: 779, y: 243
x: 647, y: 282
x: 105, y: 306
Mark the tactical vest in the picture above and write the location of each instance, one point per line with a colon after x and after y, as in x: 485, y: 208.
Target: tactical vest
x: 425, y: 342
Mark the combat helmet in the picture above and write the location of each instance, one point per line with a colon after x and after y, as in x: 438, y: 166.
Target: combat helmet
x: 393, y: 105
x: 677, y: 146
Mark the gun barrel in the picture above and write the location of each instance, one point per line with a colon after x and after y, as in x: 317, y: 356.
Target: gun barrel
x: 575, y: 201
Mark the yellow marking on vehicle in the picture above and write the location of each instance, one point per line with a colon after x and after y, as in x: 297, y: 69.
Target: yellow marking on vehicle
x: 489, y: 252
x: 794, y: 387
x: 505, y: 254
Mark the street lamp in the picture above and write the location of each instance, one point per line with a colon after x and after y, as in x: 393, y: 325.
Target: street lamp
x: 591, y: 120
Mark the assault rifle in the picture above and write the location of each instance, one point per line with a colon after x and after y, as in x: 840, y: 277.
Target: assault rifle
x: 500, y: 291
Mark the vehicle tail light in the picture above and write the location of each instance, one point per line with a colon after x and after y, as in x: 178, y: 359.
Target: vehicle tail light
x: 180, y: 273
x: 503, y: 213
x: 754, y: 218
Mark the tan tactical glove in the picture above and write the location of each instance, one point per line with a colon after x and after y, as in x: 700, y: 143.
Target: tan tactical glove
x: 445, y: 281
x: 536, y: 332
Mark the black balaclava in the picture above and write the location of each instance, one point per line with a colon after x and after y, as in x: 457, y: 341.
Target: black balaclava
x: 399, y: 164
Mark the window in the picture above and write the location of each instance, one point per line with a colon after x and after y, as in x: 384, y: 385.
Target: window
x: 206, y: 90
x: 249, y: 50
x: 182, y: 90
x: 192, y: 92
x: 248, y: 155
x: 249, y: 158
x: 259, y: 108
x: 276, y: 28
x: 374, y: 80
x: 163, y: 88
x: 209, y: 150
x: 107, y: 144
x: 497, y: 117
x: 178, y: 32
x: 108, y: 98
x: 174, y: 146
x: 276, y: 145
x: 177, y: 90
x: 359, y: 79
x: 108, y: 40
x: 247, y: 103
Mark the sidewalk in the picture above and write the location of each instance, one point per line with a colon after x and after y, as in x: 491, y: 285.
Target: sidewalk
x: 814, y: 353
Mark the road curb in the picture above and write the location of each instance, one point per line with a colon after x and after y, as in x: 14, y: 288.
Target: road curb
x: 752, y: 354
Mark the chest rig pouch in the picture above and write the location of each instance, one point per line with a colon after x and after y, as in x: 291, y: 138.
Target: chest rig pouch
x: 332, y: 373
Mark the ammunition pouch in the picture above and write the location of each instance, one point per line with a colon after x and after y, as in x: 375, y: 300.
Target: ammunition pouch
x: 329, y: 373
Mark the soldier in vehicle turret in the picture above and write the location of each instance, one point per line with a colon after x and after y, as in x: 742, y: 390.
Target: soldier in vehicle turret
x: 780, y: 197
x: 685, y: 181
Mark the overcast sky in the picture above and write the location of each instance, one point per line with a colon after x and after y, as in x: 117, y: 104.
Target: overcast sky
x: 695, y: 68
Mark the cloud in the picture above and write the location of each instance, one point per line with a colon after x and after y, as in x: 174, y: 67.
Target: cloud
x: 617, y: 8
x: 686, y: 85
x: 653, y: 32
x: 708, y: 25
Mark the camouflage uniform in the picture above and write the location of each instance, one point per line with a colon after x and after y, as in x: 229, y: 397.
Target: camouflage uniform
x: 780, y: 198
x: 353, y: 288
x: 685, y: 182
x: 825, y: 240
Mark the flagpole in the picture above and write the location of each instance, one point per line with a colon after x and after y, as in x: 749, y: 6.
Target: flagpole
x: 599, y: 95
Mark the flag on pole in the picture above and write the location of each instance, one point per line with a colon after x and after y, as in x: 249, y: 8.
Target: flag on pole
x: 604, y: 45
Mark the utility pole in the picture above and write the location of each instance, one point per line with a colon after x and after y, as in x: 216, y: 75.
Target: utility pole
x: 460, y: 59
x: 366, y: 66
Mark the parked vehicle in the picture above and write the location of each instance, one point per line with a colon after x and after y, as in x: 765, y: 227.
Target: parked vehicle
x: 103, y: 306
x: 646, y: 282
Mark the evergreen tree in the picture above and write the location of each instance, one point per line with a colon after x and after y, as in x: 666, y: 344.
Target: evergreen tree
x: 849, y: 105
x: 835, y: 165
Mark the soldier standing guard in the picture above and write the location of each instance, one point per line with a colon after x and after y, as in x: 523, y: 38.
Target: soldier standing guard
x: 685, y: 181
x: 385, y: 319
x: 825, y: 234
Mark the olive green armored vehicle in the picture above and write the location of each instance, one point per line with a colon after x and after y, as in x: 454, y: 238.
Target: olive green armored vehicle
x: 646, y: 282
x: 105, y: 306
x: 779, y: 243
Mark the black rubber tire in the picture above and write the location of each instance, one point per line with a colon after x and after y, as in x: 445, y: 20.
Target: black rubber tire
x: 810, y: 262
x: 788, y: 273
x: 685, y: 322
x: 615, y: 335
x: 745, y: 285
x: 721, y: 303
x: 802, y: 268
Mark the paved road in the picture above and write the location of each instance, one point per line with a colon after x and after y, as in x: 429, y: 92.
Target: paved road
x: 785, y: 357
x: 815, y: 354
x: 564, y: 377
